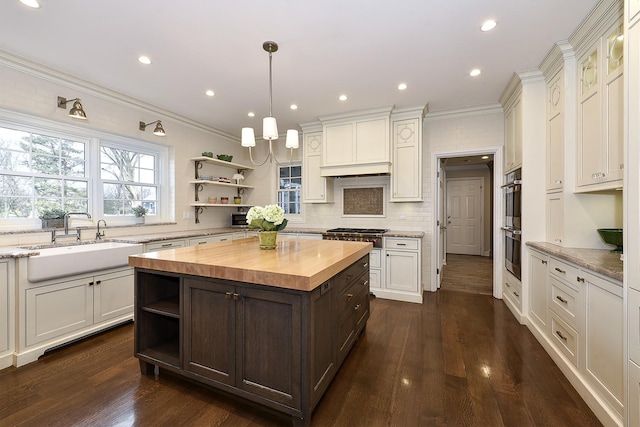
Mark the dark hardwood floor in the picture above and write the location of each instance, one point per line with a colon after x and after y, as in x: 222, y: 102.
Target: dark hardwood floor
x: 468, y: 273
x: 458, y: 359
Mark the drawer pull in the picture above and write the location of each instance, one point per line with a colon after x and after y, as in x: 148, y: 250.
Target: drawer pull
x: 365, y: 283
x: 507, y: 284
x: 349, y: 296
x: 562, y: 300
x: 401, y: 244
x: 562, y: 337
x: 357, y: 307
x: 516, y: 294
x: 544, y: 262
x: 580, y: 279
x: 560, y: 270
x: 166, y: 245
x: 365, y: 265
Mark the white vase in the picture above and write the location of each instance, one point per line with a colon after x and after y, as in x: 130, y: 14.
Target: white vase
x: 139, y: 220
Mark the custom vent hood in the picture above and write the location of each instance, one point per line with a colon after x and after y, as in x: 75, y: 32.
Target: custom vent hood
x: 357, y: 143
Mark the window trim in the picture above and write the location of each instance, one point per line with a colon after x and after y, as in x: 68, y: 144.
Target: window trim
x: 292, y: 218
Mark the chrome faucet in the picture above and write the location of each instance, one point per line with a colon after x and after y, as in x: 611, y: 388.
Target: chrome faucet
x: 66, y: 222
x: 100, y: 235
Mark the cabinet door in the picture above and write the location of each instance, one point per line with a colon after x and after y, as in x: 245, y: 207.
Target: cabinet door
x: 604, y: 337
x: 518, y: 134
x: 323, y: 342
x: 634, y: 395
x: 613, y: 94
x: 5, y: 322
x: 269, y: 346
x: 112, y: 295
x: 634, y: 325
x: 555, y: 133
x: 589, y: 167
x: 555, y: 218
x: 209, y: 330
x: 315, y: 186
x: 58, y: 309
x: 539, y: 285
x: 509, y: 140
x: 406, y: 172
x: 402, y: 271
x: 372, y: 141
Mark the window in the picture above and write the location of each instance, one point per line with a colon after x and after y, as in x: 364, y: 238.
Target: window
x: 129, y: 178
x: 40, y: 172
x: 290, y: 189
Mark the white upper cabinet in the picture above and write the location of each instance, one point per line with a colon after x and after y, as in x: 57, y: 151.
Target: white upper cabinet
x: 555, y: 132
x: 316, y: 188
x: 406, y: 169
x: 513, y: 133
x: 600, y: 114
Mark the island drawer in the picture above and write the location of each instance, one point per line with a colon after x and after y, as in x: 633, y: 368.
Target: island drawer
x: 346, y: 277
x: 352, y: 292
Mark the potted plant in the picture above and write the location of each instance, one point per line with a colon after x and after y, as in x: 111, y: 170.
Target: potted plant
x: 269, y: 219
x: 139, y: 211
x: 52, y: 217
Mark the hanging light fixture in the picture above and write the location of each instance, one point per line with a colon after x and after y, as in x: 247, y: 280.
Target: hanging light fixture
x: 269, y: 125
x: 158, y: 130
x: 76, y: 111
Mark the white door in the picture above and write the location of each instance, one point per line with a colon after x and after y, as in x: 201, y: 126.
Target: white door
x: 464, y: 216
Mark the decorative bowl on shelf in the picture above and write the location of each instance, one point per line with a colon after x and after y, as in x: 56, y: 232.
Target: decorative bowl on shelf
x: 225, y: 157
x: 612, y: 236
x: 207, y: 154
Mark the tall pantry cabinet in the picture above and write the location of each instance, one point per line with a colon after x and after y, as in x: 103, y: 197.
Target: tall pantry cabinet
x: 631, y: 289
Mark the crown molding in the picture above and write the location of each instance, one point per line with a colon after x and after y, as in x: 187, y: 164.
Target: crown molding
x: 464, y: 112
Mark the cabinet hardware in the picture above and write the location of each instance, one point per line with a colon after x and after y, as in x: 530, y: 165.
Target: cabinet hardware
x: 357, y: 307
x: 507, y: 284
x: 401, y: 244
x: 560, y: 271
x: 227, y: 295
x: 349, y: 296
x: 544, y: 262
x: 562, y: 300
x: 365, y: 265
x: 562, y: 337
x: 236, y: 296
x: 166, y: 245
x: 516, y: 294
x: 90, y: 283
x: 98, y: 282
x: 580, y: 279
x: 365, y: 283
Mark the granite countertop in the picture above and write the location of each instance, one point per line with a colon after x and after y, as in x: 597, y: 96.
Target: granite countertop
x: 601, y: 261
x: 31, y: 250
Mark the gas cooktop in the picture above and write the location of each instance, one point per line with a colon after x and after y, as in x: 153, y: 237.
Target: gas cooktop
x: 358, y: 230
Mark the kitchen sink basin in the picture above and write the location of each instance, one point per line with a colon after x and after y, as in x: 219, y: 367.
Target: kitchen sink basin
x: 61, y: 261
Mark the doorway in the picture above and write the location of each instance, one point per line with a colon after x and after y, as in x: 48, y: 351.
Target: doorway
x: 466, y: 240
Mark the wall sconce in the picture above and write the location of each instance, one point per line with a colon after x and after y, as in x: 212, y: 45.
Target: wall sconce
x: 76, y: 111
x: 158, y: 130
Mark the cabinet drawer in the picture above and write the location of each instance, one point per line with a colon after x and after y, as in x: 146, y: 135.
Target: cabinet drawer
x: 564, y: 271
x: 564, y: 301
x: 399, y: 243
x: 565, y: 338
x: 514, y: 290
x: 345, y: 278
x: 160, y: 246
x: 351, y: 293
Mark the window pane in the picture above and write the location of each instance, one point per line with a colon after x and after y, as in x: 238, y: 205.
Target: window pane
x: 77, y: 206
x: 76, y: 189
x: 49, y: 165
x: 296, y: 183
x: 147, y: 176
x: 284, y: 172
x: 15, y: 140
x: 45, y: 145
x: 73, y: 150
x: 48, y: 187
x: 112, y: 207
x: 71, y: 167
x: 296, y: 171
x: 15, y: 207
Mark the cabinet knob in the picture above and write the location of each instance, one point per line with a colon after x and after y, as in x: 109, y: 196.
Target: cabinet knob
x: 580, y: 279
x: 357, y: 307
x: 349, y: 296
x: 227, y: 295
x: 98, y: 282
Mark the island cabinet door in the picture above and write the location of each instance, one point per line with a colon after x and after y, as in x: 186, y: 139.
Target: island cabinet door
x: 210, y: 329
x: 269, y: 351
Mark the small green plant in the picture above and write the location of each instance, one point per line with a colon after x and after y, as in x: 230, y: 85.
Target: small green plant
x: 52, y: 213
x: 139, y: 210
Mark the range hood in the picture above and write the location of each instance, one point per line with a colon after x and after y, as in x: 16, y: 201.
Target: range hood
x: 381, y: 168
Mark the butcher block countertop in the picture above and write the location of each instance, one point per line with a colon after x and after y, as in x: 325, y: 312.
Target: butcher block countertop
x: 294, y: 264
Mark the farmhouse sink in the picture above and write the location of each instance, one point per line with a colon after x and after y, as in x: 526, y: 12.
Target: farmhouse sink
x: 63, y: 261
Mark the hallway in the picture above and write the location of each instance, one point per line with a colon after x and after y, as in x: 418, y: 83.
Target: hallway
x: 468, y: 273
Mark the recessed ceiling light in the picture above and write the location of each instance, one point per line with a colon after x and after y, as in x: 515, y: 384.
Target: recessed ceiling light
x: 402, y: 86
x: 475, y: 72
x: 293, y: 106
x: 209, y: 93
x: 485, y: 157
x: 488, y: 25
x: 31, y: 3
x: 144, y: 60
x: 343, y: 98
x: 251, y: 114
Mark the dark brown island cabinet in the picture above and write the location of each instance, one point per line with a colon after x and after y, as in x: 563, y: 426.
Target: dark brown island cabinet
x: 274, y: 346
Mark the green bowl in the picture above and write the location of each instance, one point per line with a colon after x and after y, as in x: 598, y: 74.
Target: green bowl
x: 225, y: 157
x: 612, y: 236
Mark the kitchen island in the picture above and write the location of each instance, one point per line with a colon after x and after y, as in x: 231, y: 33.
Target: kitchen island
x: 270, y: 326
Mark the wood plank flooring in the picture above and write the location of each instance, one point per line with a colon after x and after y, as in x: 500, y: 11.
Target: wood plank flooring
x: 468, y: 273
x: 458, y: 359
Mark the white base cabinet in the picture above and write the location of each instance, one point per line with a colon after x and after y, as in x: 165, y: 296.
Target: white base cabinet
x: 402, y: 270
x: 584, y: 332
x: 7, y: 316
x: 53, y: 313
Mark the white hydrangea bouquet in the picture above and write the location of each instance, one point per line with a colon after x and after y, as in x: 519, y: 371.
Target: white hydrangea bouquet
x: 267, y: 218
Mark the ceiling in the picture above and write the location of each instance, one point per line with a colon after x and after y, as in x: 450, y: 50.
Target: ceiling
x: 361, y: 48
